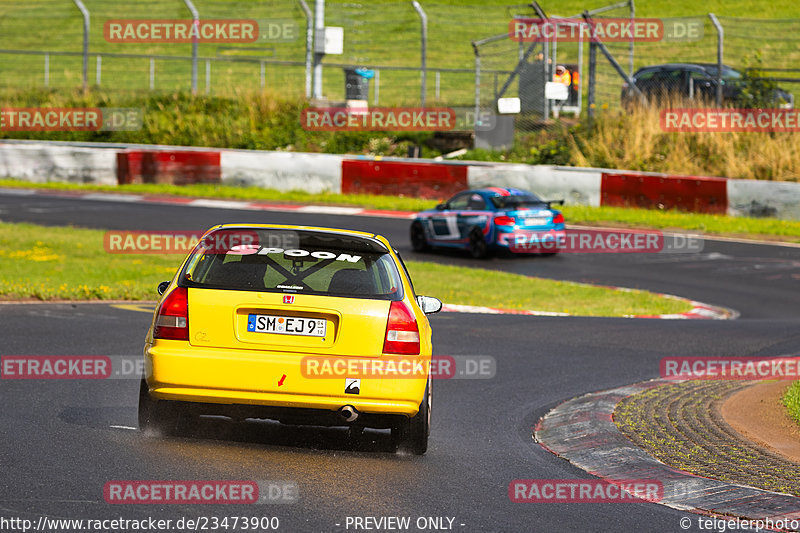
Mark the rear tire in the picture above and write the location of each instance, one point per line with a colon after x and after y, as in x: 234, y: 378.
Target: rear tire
x: 418, y: 240
x: 156, y: 417
x: 478, y: 248
x: 412, y: 434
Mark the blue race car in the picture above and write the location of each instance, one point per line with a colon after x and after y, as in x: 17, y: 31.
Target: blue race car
x: 490, y: 219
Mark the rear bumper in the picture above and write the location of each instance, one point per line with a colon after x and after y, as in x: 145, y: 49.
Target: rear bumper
x: 287, y: 415
x: 180, y: 372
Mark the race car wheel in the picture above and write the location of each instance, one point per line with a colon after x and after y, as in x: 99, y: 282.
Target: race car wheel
x: 418, y: 241
x: 477, y: 244
x: 155, y: 417
x: 412, y: 434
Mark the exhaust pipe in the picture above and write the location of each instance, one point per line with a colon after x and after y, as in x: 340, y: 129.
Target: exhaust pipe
x: 348, y: 413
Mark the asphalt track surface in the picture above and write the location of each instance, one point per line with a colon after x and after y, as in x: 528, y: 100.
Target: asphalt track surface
x: 59, y: 447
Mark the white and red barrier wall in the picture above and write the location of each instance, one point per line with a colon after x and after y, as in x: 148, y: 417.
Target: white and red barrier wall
x: 101, y: 163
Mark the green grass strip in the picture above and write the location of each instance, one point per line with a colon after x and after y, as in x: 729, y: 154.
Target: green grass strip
x: 754, y: 228
x: 44, y: 263
x: 250, y: 194
x: 792, y: 400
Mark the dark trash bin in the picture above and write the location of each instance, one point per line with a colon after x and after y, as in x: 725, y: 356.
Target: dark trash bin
x: 356, y: 83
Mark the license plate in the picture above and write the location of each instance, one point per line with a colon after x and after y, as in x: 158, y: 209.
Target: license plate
x: 287, y: 325
x: 536, y: 221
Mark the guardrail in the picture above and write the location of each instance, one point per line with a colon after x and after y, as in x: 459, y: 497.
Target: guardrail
x: 110, y: 164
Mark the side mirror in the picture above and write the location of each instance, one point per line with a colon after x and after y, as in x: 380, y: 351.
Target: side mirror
x: 441, y: 207
x: 429, y: 304
x: 162, y: 287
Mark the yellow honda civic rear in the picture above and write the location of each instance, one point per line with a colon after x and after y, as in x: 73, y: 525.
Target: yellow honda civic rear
x: 297, y: 324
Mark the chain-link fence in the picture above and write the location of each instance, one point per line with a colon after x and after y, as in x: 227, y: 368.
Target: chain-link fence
x: 41, y: 44
x: 470, y: 59
x: 676, y: 64
x: 682, y: 66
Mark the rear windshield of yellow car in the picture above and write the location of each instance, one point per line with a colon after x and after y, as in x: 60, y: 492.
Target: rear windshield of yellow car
x: 293, y: 261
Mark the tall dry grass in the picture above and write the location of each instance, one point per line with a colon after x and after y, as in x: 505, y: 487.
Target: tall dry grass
x: 633, y: 139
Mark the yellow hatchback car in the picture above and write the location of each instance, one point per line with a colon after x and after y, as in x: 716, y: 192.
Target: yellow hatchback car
x: 297, y: 324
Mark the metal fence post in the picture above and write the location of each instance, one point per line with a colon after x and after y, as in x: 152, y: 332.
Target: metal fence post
x: 196, y: 23
x: 309, y: 44
x: 424, y: 19
x: 99, y: 70
x: 548, y: 76
x: 630, y: 53
x: 592, y: 79
x: 152, y: 73
x: 47, y: 70
x: 319, y: 34
x: 263, y: 78
x: 85, y: 13
x: 720, y: 44
x: 477, y: 80
x: 377, y: 89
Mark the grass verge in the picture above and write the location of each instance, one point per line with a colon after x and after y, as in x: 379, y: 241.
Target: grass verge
x: 755, y: 228
x: 229, y: 192
x: 792, y: 400
x: 722, y: 225
x: 44, y: 263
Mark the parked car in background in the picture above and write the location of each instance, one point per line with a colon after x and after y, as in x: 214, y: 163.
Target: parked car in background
x: 663, y: 84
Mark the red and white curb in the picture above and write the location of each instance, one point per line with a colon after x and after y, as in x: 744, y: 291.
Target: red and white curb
x: 213, y: 203
x: 583, y: 432
x: 699, y: 310
x: 455, y: 308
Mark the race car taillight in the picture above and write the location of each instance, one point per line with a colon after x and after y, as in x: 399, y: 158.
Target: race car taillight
x: 558, y: 219
x: 172, y: 320
x: 504, y: 220
x: 402, y: 333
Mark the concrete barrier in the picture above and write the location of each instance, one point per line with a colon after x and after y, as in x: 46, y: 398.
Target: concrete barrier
x: 44, y: 162
x: 758, y: 198
x: 686, y: 193
x: 421, y: 179
x: 175, y: 167
x: 40, y: 161
x: 576, y: 186
x: 283, y: 171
